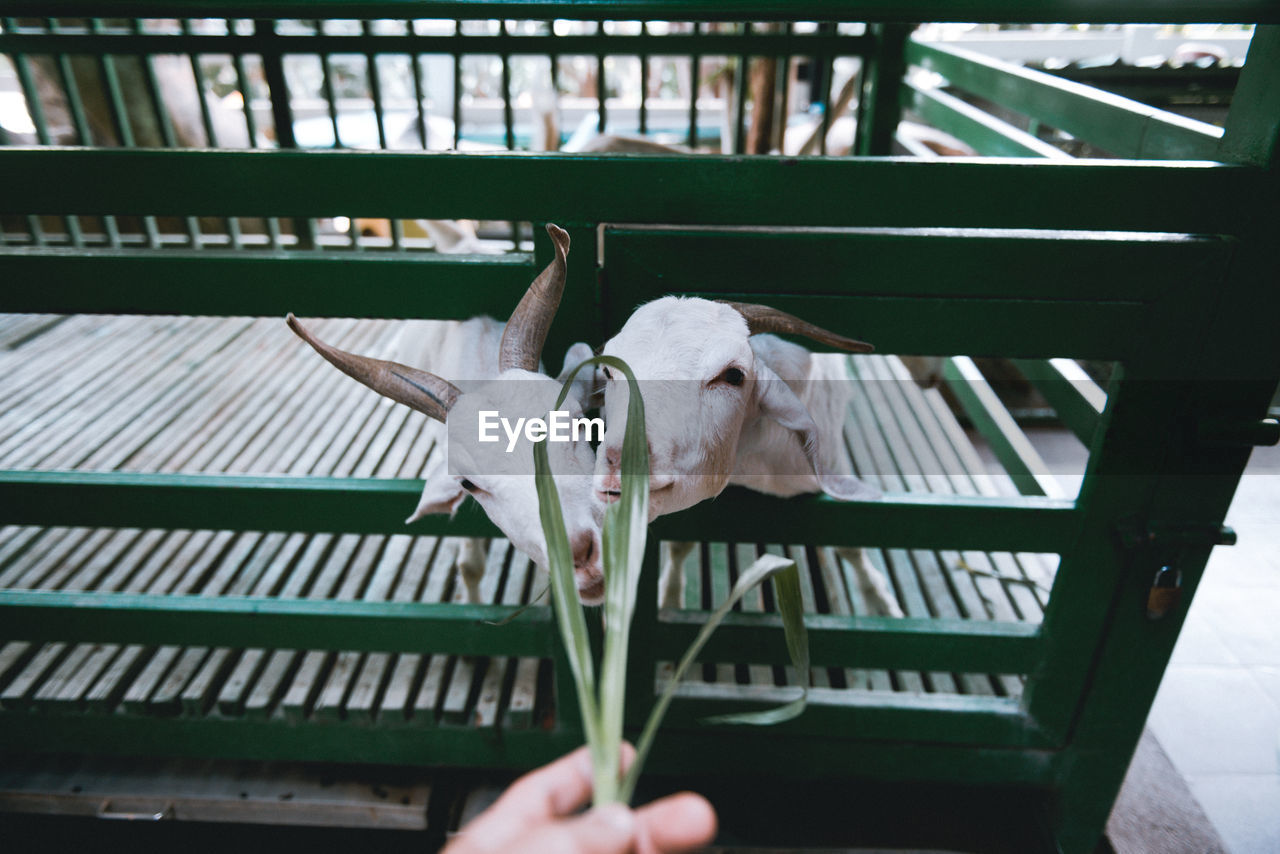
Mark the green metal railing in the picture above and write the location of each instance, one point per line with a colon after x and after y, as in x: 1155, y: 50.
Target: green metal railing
x: 1164, y: 266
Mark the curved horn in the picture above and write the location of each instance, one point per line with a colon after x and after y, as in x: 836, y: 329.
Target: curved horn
x: 526, y: 331
x: 762, y: 318
x: 417, y: 389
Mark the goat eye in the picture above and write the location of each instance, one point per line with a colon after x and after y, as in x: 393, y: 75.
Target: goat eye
x: 467, y: 485
x: 608, y: 376
x: 733, y: 376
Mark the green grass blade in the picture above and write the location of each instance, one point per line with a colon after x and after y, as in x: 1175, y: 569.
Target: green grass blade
x: 790, y: 604
x: 564, y: 595
x: 786, y: 590
x: 622, y: 543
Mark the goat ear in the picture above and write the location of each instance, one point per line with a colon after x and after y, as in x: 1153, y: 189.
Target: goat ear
x: 777, y: 401
x: 587, y: 379
x: 441, y: 494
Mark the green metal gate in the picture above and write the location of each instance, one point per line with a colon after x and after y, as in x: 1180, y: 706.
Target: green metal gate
x: 1162, y: 263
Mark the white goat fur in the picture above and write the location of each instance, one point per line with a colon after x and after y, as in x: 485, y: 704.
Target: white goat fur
x: 466, y: 353
x: 706, y: 434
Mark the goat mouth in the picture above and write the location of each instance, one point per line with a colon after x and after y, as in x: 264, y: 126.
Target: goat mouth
x: 592, y: 593
x: 608, y: 496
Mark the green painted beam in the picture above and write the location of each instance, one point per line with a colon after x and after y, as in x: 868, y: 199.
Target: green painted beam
x: 1121, y: 126
x: 1060, y: 266
x: 998, y: 11
x: 568, y: 188
x: 228, y: 502
x: 271, y: 44
x: 987, y: 134
x: 961, y: 646
x: 242, y: 621
x: 1012, y: 448
x: 1074, y: 396
x: 921, y: 521
x: 265, y: 283
x: 423, y: 743
x: 376, y: 506
x: 1252, y: 134
x: 872, y: 715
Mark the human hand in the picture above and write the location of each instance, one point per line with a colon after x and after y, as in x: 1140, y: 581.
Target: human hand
x: 537, y: 814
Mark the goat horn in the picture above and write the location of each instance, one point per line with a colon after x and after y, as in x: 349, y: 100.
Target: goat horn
x: 420, y: 390
x: 526, y: 331
x: 762, y: 318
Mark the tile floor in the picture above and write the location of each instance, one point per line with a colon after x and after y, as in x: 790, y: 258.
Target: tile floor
x: 1217, y: 715
x: 1218, y: 711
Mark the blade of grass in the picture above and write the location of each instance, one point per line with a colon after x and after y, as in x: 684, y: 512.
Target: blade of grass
x: 564, y: 596
x: 622, y: 542
x: 797, y: 644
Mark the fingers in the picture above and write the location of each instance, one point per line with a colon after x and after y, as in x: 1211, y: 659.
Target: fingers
x: 559, y: 789
x: 609, y: 829
x: 675, y: 824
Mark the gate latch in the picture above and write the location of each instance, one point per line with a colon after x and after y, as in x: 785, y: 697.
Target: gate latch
x: 1164, y: 544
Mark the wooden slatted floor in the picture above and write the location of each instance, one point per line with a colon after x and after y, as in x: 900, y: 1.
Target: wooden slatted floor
x: 167, y: 394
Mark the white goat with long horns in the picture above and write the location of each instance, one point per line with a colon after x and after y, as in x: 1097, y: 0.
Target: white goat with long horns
x: 727, y: 404
x: 498, y: 372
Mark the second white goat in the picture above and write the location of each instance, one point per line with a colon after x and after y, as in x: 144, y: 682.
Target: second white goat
x: 726, y: 404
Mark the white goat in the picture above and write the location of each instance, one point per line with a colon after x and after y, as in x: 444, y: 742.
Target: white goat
x: 725, y: 405
x: 497, y: 370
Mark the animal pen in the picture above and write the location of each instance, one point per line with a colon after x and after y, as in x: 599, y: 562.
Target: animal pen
x: 203, y: 552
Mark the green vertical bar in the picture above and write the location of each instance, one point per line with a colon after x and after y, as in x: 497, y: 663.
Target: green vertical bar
x: 457, y: 98
x: 164, y: 122
x: 602, y: 117
x: 326, y: 86
x: 1253, y: 123
x: 251, y: 124
x: 375, y: 87
x: 827, y: 64
x: 242, y: 81
x: 34, y: 107
x: 508, y: 117
x: 695, y: 80
x: 281, y: 112
x: 782, y: 94
x: 420, y: 94
x: 880, y: 108
x: 206, y: 117
x: 643, y: 118
x: 740, y: 107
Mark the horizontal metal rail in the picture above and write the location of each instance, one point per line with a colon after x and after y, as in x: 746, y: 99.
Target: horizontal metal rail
x: 676, y: 751
x: 263, y: 283
x: 944, y: 645
x: 1012, y: 11
x: 242, y: 621
x: 276, y: 623
x: 379, y: 506
x: 585, y: 190
x: 279, y: 44
x: 1121, y: 126
x: 942, y: 718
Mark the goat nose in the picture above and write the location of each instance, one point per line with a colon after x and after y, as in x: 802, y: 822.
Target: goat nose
x: 613, y: 458
x: 584, y: 548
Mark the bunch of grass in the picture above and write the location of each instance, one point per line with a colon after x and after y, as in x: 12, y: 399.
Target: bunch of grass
x: 602, y: 701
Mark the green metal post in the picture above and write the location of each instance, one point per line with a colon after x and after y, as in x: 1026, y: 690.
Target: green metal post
x: 880, y: 107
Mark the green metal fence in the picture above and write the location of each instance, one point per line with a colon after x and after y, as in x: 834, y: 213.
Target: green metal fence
x: 1163, y: 264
